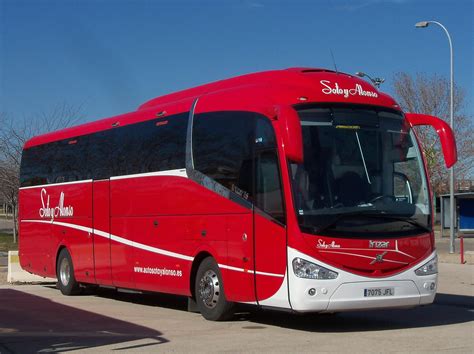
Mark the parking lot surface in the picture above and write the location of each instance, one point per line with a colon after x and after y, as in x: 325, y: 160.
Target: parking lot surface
x: 38, y: 318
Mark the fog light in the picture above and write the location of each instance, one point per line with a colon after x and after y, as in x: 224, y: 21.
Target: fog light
x: 432, y: 286
x: 312, y: 291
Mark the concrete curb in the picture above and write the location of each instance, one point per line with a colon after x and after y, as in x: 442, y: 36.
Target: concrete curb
x: 17, y: 275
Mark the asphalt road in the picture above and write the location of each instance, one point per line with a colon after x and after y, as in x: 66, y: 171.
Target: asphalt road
x: 38, y: 318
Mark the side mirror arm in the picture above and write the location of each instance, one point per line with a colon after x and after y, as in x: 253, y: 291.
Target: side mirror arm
x: 444, y: 131
x: 291, y: 131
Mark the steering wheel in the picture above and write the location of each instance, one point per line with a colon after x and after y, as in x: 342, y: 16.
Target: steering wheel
x: 382, y: 197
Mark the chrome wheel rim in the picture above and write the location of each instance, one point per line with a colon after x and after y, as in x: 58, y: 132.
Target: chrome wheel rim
x: 64, y: 272
x: 209, y: 289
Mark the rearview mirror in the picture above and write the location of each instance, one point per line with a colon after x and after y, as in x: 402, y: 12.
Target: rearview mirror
x: 446, y: 135
x: 291, y: 133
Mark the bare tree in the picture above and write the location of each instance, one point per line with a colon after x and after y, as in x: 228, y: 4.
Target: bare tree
x: 430, y: 95
x: 13, y: 136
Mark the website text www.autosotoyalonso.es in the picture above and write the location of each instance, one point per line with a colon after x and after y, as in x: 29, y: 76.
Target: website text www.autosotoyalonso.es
x: 158, y: 271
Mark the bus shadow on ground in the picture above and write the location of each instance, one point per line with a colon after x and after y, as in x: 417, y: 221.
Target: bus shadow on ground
x: 29, y: 324
x: 174, y: 302
x: 447, y: 309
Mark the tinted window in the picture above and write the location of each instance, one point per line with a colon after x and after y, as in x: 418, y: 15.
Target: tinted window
x: 150, y: 146
x: 156, y: 145
x: 268, y: 194
x: 222, y: 148
x: 267, y: 186
x: 229, y: 146
x: 34, y: 167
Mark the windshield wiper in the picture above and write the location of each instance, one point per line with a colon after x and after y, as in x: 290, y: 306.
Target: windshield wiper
x: 338, y: 217
x: 363, y: 159
x: 373, y: 214
x: 410, y: 221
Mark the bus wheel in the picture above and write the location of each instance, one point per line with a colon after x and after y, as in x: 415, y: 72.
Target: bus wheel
x: 65, y: 272
x: 209, y: 290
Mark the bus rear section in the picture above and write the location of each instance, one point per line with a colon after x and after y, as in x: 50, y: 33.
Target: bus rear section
x: 297, y: 189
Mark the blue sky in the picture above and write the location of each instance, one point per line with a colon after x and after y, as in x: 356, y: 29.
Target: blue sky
x: 111, y: 55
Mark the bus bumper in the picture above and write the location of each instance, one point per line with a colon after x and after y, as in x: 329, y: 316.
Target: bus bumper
x: 348, y: 291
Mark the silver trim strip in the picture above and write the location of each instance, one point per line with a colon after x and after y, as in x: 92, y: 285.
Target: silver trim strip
x: 189, y: 137
x: 181, y: 172
x: 57, y: 184
x: 363, y: 256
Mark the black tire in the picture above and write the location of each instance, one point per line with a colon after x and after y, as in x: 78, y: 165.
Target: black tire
x: 209, y: 292
x: 65, y: 272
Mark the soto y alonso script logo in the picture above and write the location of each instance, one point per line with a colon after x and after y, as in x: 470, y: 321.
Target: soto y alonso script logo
x: 52, y: 212
x: 330, y: 89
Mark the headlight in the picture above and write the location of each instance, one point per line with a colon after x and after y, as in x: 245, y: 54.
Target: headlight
x: 305, y: 269
x: 430, y: 267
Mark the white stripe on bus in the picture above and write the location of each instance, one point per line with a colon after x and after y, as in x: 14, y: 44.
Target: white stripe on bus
x: 142, y: 246
x: 250, y: 271
x: 57, y: 184
x: 179, y: 172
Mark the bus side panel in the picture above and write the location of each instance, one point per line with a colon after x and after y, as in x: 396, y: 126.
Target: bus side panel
x: 35, y: 240
x: 101, y: 224
x: 239, y: 282
x: 50, y: 217
x: 160, y: 256
x: 270, y: 256
x: 166, y: 195
x: 121, y: 254
x: 175, y: 214
x: 79, y: 244
x: 78, y: 198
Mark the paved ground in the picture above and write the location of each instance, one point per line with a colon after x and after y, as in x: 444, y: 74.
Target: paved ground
x: 38, y: 318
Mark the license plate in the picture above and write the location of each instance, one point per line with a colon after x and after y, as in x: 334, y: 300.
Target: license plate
x: 372, y: 292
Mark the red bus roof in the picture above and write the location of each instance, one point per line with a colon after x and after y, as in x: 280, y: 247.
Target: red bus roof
x: 277, y: 87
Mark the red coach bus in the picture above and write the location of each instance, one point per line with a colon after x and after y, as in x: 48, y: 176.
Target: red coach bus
x: 301, y: 189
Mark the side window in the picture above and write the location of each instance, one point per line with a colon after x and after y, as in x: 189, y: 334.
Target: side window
x: 33, y: 170
x: 267, y: 192
x: 155, y: 145
x: 68, y: 160
x: 101, y: 162
x: 163, y: 143
x: 222, y: 148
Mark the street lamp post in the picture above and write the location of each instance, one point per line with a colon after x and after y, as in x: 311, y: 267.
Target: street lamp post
x: 424, y: 24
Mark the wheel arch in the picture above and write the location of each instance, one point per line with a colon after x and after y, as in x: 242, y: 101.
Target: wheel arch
x: 194, y: 268
x: 58, y: 251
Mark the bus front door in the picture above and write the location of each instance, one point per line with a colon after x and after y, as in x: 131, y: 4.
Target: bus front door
x: 270, y: 232
x: 270, y: 261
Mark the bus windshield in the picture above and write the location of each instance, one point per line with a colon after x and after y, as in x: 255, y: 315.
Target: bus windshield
x: 362, y: 174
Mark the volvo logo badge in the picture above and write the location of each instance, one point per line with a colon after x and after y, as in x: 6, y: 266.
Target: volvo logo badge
x: 379, y: 258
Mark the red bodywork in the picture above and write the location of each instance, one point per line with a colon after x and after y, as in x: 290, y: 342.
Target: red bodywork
x: 151, y: 232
